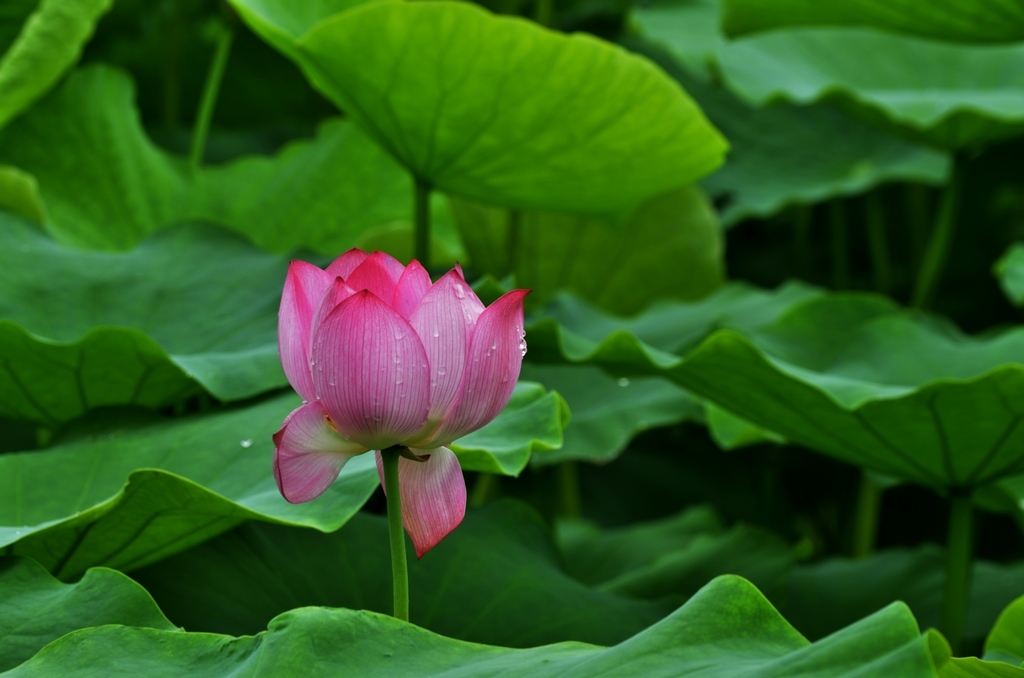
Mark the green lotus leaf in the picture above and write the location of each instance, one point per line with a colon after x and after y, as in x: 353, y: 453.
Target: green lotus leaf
x: 690, y: 28
x: 39, y: 41
x: 1010, y: 271
x: 509, y: 113
x: 781, y: 154
x: 19, y: 195
x: 90, y: 329
x: 726, y: 629
x: 35, y: 608
x: 281, y: 23
x: 671, y: 246
x: 496, y: 579
x: 952, y: 96
x: 967, y: 20
x: 674, y: 556
x: 848, y: 375
x: 821, y: 598
x: 1005, y: 642
x: 105, y: 185
x: 134, y: 493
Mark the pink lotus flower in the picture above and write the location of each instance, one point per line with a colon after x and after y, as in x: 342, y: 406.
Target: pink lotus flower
x: 382, y: 357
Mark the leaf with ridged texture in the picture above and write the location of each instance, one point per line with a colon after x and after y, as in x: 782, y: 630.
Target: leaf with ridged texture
x: 19, y: 195
x: 69, y: 506
x: 671, y: 246
x: 35, y: 608
x: 726, y: 630
x: 509, y: 113
x: 281, y: 22
x: 823, y: 597
x: 781, y: 154
x: 1005, y: 641
x: 49, y: 40
x: 674, y: 556
x: 1010, y: 271
x: 105, y: 185
x: 966, y: 20
x: 496, y: 579
x: 952, y: 96
x: 147, y: 327
x: 851, y: 376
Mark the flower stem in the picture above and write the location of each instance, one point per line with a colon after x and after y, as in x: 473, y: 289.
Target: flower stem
x: 421, y: 216
x: 210, y: 91
x: 802, y: 240
x: 569, y: 490
x: 959, y: 546
x: 396, y: 533
x: 486, y: 484
x: 878, y: 242
x: 937, y: 251
x: 840, y: 255
x: 865, y: 527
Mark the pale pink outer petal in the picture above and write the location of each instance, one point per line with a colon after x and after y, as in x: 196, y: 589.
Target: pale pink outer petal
x: 494, y: 360
x: 303, y: 289
x: 433, y: 495
x: 413, y: 284
x: 335, y: 293
x: 379, y: 274
x: 371, y: 373
x: 444, y: 320
x: 343, y: 266
x: 308, y: 455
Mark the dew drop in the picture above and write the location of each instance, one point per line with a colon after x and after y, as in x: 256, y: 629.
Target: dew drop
x: 522, y: 346
x: 494, y: 345
x: 436, y: 332
x: 332, y: 382
x: 460, y: 292
x: 441, y: 370
x: 398, y: 333
x: 623, y: 382
x: 246, y: 443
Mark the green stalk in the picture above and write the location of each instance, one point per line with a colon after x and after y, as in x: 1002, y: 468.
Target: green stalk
x: 210, y: 91
x: 396, y: 533
x: 544, y: 12
x: 878, y: 243
x: 917, y: 218
x: 421, y: 222
x: 484, y: 486
x: 515, y: 229
x: 865, y: 526
x: 937, y: 252
x: 959, y: 547
x: 569, y: 485
x: 840, y: 256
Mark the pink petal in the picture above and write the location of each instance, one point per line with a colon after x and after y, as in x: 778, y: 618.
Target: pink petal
x: 413, y: 284
x: 379, y: 274
x: 444, y: 320
x: 433, y: 495
x: 495, y: 357
x: 332, y: 297
x: 343, y: 266
x: 458, y: 269
x: 308, y: 455
x: 303, y: 289
x: 371, y: 373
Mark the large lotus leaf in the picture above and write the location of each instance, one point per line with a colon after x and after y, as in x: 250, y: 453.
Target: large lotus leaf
x: 967, y: 20
x: 39, y: 41
x: 851, y: 376
x: 509, y: 113
x: 674, y: 556
x: 281, y: 22
x: 727, y: 630
x: 19, y: 194
x: 192, y: 307
x: 823, y: 597
x: 954, y: 96
x: 105, y: 185
x: 1006, y: 640
x: 1010, y: 271
x: 496, y: 580
x: 782, y: 154
x: 189, y: 479
x: 35, y: 608
x: 607, y: 412
x: 691, y: 29
x: 671, y: 246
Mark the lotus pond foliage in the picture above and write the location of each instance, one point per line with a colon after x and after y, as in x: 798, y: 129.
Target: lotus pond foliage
x: 761, y: 412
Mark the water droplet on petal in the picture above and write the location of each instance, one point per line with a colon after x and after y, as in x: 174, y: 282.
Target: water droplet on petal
x: 436, y: 332
x: 441, y: 370
x: 246, y: 443
x: 522, y: 346
x: 460, y: 292
x: 623, y: 382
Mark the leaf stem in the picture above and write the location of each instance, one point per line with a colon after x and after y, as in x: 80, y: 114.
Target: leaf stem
x: 802, y: 240
x: 515, y: 221
x: 917, y: 216
x: 878, y: 242
x: 211, y: 89
x: 569, y: 490
x: 937, y: 251
x: 865, y: 527
x: 840, y: 255
x: 959, y: 547
x: 421, y: 216
x: 484, y: 486
x: 396, y: 533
